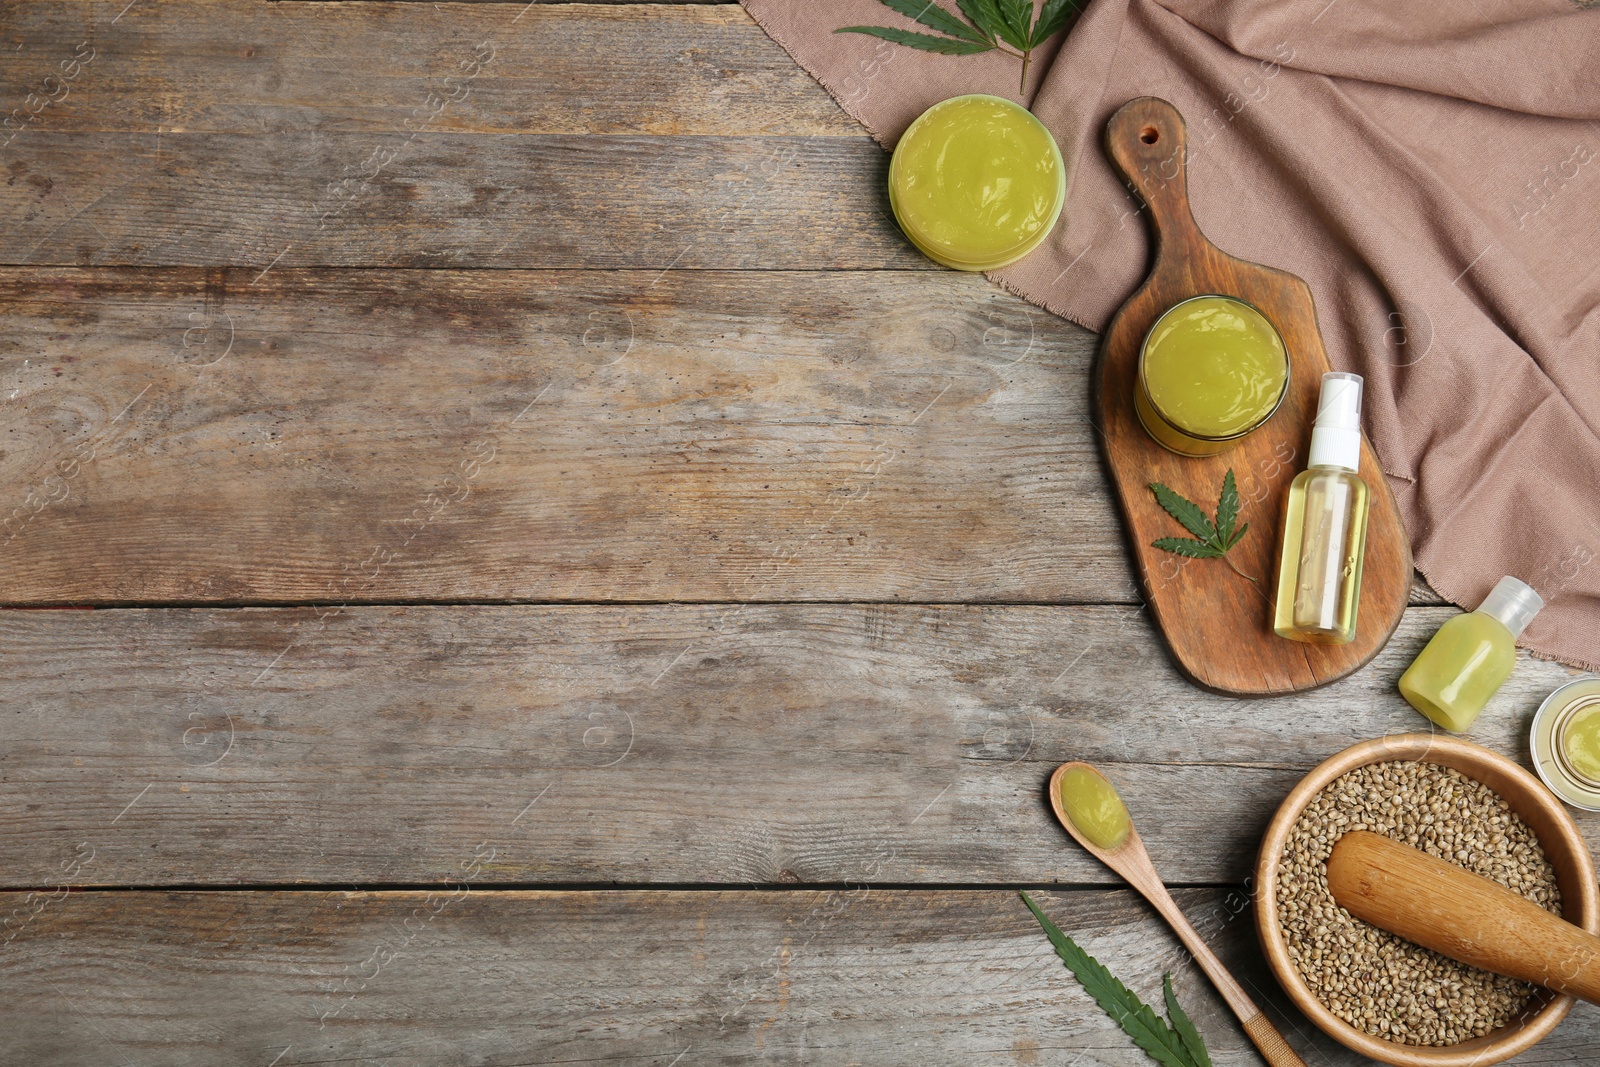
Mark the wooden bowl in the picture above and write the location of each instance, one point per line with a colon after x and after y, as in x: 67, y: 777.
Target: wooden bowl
x: 1563, y: 844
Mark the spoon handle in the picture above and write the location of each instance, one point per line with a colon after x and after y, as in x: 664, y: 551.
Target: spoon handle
x: 1273, y: 1048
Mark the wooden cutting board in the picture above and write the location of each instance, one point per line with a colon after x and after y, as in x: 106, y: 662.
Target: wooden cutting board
x: 1218, y: 625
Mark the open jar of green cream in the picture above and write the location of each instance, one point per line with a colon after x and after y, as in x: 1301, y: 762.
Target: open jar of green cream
x: 977, y: 182
x: 1211, y: 370
x: 1566, y: 742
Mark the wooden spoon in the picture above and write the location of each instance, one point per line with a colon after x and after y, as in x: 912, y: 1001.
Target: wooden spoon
x: 1132, y: 862
x: 1461, y: 915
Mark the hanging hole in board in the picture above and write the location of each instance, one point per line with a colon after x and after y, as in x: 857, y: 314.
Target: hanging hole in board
x: 1149, y: 135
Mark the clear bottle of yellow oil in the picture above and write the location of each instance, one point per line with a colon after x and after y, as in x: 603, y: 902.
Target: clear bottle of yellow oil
x: 1325, y: 525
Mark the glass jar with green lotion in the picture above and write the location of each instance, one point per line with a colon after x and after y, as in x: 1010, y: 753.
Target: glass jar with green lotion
x: 1470, y: 657
x: 1565, y: 740
x: 977, y: 182
x: 1211, y: 371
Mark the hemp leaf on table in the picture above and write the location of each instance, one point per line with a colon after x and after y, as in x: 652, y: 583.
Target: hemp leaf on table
x: 1173, y: 1044
x: 989, y: 25
x: 1215, y: 537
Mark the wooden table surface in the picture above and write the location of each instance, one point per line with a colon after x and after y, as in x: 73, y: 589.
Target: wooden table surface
x: 573, y: 585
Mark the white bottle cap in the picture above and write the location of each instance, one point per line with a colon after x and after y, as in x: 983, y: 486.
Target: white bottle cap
x: 1336, y: 433
x: 1513, y: 602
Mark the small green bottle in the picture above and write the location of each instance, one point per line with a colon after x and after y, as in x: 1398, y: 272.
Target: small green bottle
x: 1470, y: 657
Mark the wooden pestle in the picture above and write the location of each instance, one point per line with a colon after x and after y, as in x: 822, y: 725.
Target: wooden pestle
x: 1461, y: 915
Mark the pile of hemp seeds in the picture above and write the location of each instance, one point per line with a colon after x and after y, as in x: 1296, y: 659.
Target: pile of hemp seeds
x: 1373, y: 980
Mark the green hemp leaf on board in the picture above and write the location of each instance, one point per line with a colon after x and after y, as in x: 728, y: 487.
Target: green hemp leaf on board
x: 1171, y: 1042
x: 1215, y: 537
x: 990, y: 25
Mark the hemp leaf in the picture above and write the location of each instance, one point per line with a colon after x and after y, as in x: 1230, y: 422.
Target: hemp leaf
x: 1183, y: 1024
x: 1215, y: 537
x: 1173, y: 1044
x: 990, y: 25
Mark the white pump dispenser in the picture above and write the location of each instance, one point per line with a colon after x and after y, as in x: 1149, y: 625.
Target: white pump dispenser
x: 1336, y: 434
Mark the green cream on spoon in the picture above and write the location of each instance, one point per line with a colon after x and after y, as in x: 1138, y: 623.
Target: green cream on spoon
x: 1094, y: 807
x: 1090, y: 810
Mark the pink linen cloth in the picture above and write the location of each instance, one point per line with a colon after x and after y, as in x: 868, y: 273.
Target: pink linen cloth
x: 1432, y: 171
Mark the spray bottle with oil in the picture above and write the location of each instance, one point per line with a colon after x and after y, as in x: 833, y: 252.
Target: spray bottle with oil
x: 1325, y: 529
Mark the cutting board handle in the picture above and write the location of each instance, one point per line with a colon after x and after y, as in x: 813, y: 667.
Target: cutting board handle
x: 1149, y: 143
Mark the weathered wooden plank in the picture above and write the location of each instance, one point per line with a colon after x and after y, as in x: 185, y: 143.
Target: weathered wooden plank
x: 176, y: 436
x: 851, y: 976
x: 650, y: 137
x: 451, y: 200
x: 1423, y: 593
x: 768, y: 420
x: 216, y: 66
x: 522, y: 2
x: 654, y: 744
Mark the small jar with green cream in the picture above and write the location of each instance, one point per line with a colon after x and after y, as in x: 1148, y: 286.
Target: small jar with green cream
x: 977, y: 182
x: 1566, y: 742
x: 1212, y: 370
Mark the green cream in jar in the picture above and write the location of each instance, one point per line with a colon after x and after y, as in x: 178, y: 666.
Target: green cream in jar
x: 1566, y: 742
x: 1211, y: 370
x: 977, y: 182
